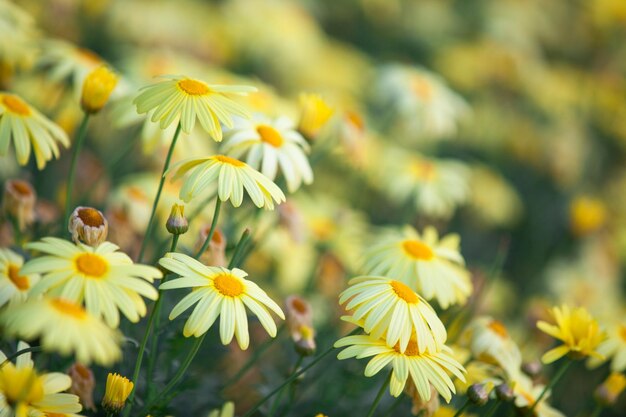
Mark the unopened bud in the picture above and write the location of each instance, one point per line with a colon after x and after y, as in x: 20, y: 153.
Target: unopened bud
x: 477, y: 394
x: 608, y: 392
x: 18, y: 202
x: 117, y: 391
x: 83, y: 384
x: 177, y: 223
x: 97, y: 88
x: 505, y: 393
x: 88, y: 225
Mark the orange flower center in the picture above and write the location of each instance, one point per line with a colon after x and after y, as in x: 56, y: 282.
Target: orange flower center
x: 68, y: 308
x: 20, y: 281
x: 22, y: 188
x: 228, y: 160
x: 498, y: 328
x: 418, y: 250
x: 404, y: 291
x: 16, y: 105
x: 228, y: 285
x: 91, y: 217
x: 91, y: 265
x: 193, y: 87
x: 411, y: 348
x: 270, y: 135
x: 299, y: 305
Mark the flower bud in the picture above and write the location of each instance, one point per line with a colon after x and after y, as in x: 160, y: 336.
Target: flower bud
x: 88, y: 225
x: 177, y: 223
x: 504, y: 393
x: 117, y: 391
x: 304, y: 340
x: 83, y: 384
x: 314, y: 115
x: 97, y: 88
x: 608, y: 392
x: 426, y: 408
x: 477, y: 394
x: 18, y: 202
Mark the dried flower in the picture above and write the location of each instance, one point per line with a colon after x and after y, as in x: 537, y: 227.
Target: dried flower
x: 18, y: 202
x: 88, y: 225
x: 215, y: 254
x: 83, y: 384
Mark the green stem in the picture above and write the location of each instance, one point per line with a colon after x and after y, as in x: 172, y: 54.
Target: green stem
x: 142, y: 348
x: 596, y: 411
x: 492, y: 409
x: 19, y: 353
x: 395, y: 405
x: 168, y: 158
x: 80, y: 138
x: 459, y: 412
x: 276, y: 402
x: 559, y: 374
x: 314, y: 362
x: 216, y: 215
x: 18, y: 237
x: 381, y: 391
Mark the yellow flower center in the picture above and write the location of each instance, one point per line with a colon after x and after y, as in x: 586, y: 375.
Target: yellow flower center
x: 422, y: 88
x: 193, y: 87
x: 498, y: 328
x: 91, y: 265
x: 228, y: 285
x: 91, y: 217
x: 411, y: 348
x: 20, y: 281
x: 21, y: 385
x: 622, y: 332
x: 228, y: 160
x: 404, y: 291
x: 424, y: 170
x: 68, y: 308
x: 16, y: 105
x: 418, y: 250
x: 270, y: 135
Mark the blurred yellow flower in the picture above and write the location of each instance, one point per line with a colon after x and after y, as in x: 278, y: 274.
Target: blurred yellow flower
x: 587, y: 214
x: 393, y: 311
x: 118, y: 388
x: 614, y: 348
x: 579, y: 332
x: 314, y: 114
x: 23, y: 123
x: 526, y: 394
x: 608, y: 392
x: 97, y: 88
x: 185, y: 99
x: 24, y: 392
x: 14, y: 285
x: 218, y: 292
x: 104, y: 278
x: 490, y: 342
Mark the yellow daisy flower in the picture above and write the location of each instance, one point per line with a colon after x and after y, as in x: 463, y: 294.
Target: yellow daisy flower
x: 184, y: 99
x: 613, y: 347
x: 25, y: 392
x: 218, y: 292
x: 425, y: 369
x: 14, y: 285
x: 23, y: 123
x: 65, y: 327
x: 433, y: 267
x: 270, y: 145
x: 580, y: 333
x: 105, y: 279
x: 232, y: 175
x: 392, y: 310
x: 526, y: 394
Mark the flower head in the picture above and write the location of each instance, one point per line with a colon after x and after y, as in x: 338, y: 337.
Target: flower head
x: 608, y: 392
x: 65, y: 327
x: 23, y: 123
x: 490, y: 342
x: 433, y: 267
x: 118, y: 389
x: 315, y: 113
x: 614, y: 348
x: 424, y: 369
x: 23, y: 391
x: 14, y: 285
x: 587, y: 215
x: 97, y: 88
x: 185, y: 99
x: 392, y: 310
x: 218, y: 292
x: 18, y: 202
x: 105, y: 279
x: 271, y: 145
x: 232, y: 176
x: 88, y: 225
x: 579, y: 332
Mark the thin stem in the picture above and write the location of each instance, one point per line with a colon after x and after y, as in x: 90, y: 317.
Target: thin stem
x: 216, y: 215
x: 395, y: 405
x: 80, y: 138
x: 492, y: 409
x: 381, y: 391
x: 596, y: 411
x: 459, y: 412
x: 276, y: 402
x: 18, y: 237
x: 168, y: 158
x: 142, y: 347
x: 19, y: 353
x: 314, y: 362
x: 239, y: 249
x: 559, y: 374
